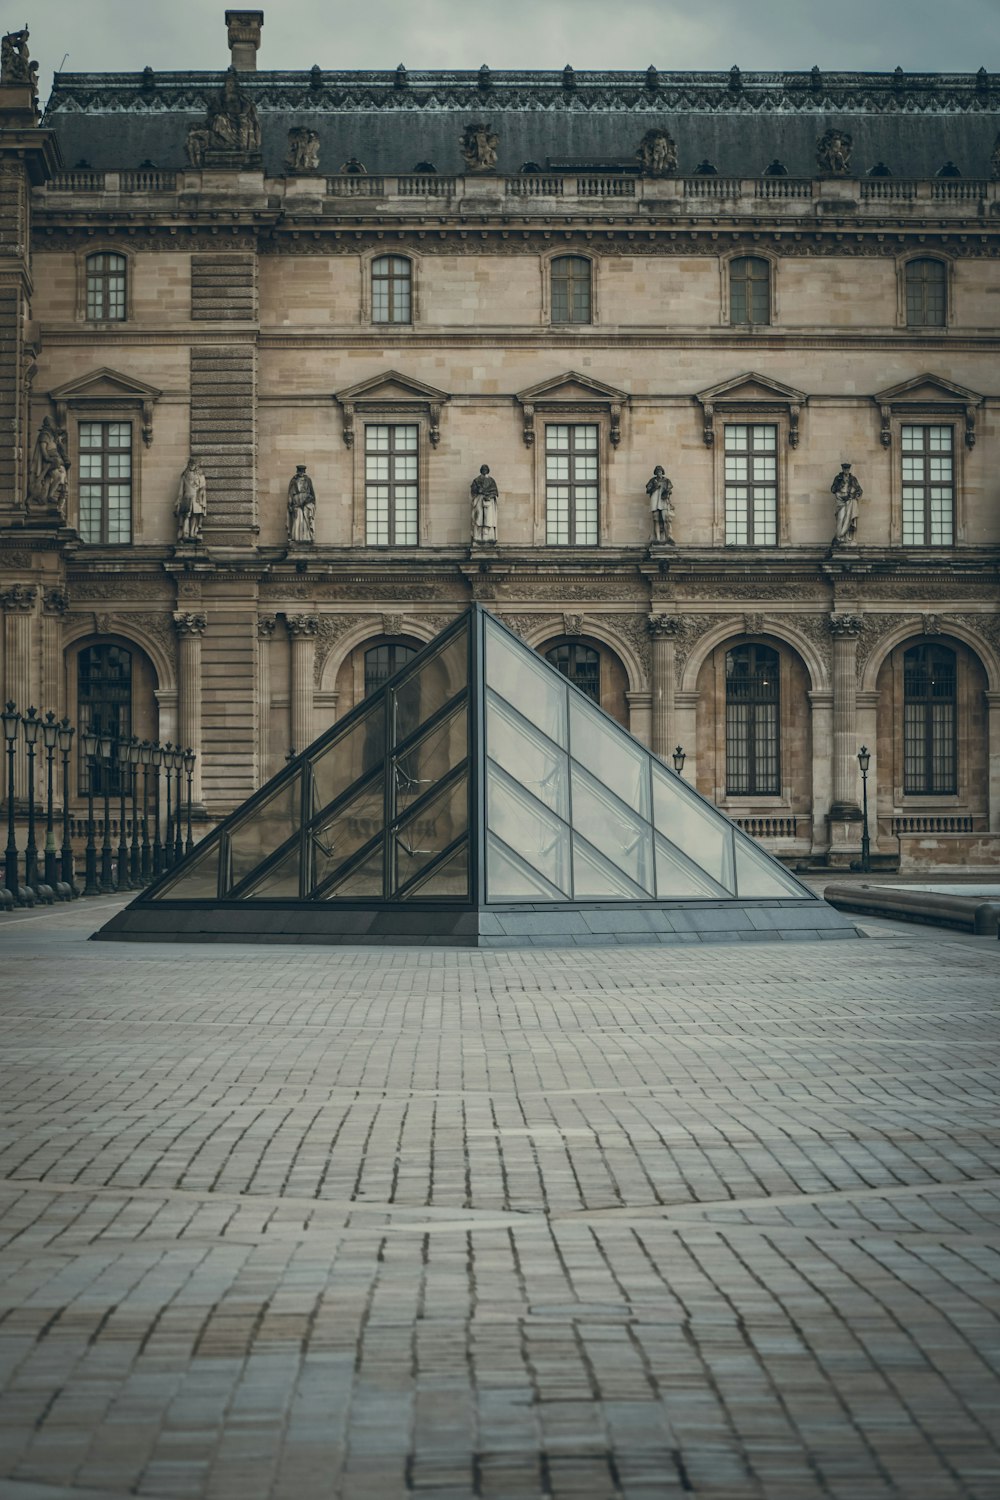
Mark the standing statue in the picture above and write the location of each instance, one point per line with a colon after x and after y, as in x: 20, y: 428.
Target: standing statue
x: 485, y: 495
x: 191, y: 505
x: 657, y: 154
x: 833, y: 152
x: 479, y: 147
x: 48, y: 477
x: 847, y: 492
x: 659, y: 489
x: 303, y: 149
x: 301, y: 508
x: 15, y: 64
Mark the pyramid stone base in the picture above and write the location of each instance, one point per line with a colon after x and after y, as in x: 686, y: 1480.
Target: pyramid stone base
x: 592, y: 925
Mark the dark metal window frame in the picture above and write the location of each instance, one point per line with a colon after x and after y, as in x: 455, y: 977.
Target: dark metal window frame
x: 394, y: 663
x: 572, y: 483
x: 746, y: 776
x: 930, y: 721
x: 589, y: 681
x: 751, y: 485
x: 925, y: 452
x: 107, y: 287
x: 104, y: 704
x: 399, y: 305
x: 748, y: 274
x: 926, y: 290
x: 105, y: 482
x: 392, y: 453
x: 571, y: 289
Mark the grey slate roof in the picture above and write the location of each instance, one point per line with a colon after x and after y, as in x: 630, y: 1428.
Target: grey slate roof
x: 914, y: 123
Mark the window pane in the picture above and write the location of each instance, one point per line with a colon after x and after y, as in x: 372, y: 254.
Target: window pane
x: 624, y: 839
x: 677, y: 878
x: 337, y: 838
x: 366, y: 879
x: 349, y: 757
x: 430, y: 687
x: 757, y: 875
x: 511, y: 672
x: 609, y: 754
x: 432, y: 828
x: 281, y: 882
x: 263, y: 829
x: 527, y: 755
x: 594, y: 878
x: 199, y: 881
x: 430, y: 759
x: 510, y: 878
x: 685, y: 820
x: 523, y: 824
x: 449, y: 879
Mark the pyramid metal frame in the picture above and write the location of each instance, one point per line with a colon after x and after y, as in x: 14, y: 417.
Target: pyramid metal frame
x: 415, y: 895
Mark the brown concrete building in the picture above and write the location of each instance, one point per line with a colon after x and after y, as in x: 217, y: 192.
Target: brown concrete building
x: 394, y: 278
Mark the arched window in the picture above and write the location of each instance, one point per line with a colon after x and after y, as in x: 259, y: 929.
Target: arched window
x: 929, y: 761
x: 753, y: 763
x: 571, y: 289
x: 581, y: 664
x: 104, y: 704
x: 392, y: 277
x: 749, y: 290
x: 105, y: 287
x: 926, y: 294
x: 382, y: 661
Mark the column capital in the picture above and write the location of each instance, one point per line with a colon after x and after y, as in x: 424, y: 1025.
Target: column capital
x: 266, y: 626
x: 55, y: 601
x: 845, y: 625
x: 302, y: 625
x: 664, y: 627
x: 19, y: 598
x: 189, y: 624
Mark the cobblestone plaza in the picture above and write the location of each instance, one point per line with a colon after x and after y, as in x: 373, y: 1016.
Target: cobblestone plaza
x: 299, y: 1222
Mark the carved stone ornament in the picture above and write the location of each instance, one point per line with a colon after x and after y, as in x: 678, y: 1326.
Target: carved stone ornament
x: 753, y: 624
x: 301, y: 509
x: 265, y: 627
x: 20, y: 597
x: 846, y: 491
x: 657, y: 154
x: 572, y: 624
x: 48, y: 477
x: 231, y: 127
x: 392, y: 624
x: 833, y: 152
x: 665, y: 627
x: 191, y: 504
x: 485, y: 498
x: 55, y: 601
x: 16, y: 66
x: 479, y: 147
x: 303, y: 150
x: 846, y: 625
x: 189, y: 623
x: 931, y: 624
x: 302, y: 625
x: 329, y: 630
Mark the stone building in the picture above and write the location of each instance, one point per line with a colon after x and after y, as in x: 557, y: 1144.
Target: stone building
x: 392, y: 279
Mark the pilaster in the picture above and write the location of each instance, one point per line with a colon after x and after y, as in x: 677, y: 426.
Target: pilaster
x: 302, y: 632
x: 190, y: 627
x: 265, y: 635
x: 663, y: 630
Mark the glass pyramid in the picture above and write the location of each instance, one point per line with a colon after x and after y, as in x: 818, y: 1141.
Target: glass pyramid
x: 476, y: 788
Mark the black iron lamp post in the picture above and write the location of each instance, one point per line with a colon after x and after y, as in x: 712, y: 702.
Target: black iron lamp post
x: 120, y: 749
x: 156, y: 761
x: 679, y: 759
x: 31, y: 724
x: 89, y: 741
x: 189, y: 758
x: 134, y: 869
x: 50, y: 738
x: 145, y: 760
x: 11, y: 719
x: 168, y: 843
x: 178, y: 805
x: 66, y: 732
x: 864, y: 759
x: 104, y: 747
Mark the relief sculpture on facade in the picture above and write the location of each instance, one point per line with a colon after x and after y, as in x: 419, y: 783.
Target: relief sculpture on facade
x: 48, y: 478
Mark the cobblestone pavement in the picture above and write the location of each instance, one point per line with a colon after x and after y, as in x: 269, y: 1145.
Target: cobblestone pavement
x: 312, y: 1222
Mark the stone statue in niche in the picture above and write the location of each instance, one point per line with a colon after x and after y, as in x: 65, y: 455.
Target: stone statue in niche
x: 301, y: 508
x: 833, y: 152
x: 485, y: 496
x: 847, y: 492
x: 231, y: 126
x: 191, y: 505
x: 659, y: 489
x: 479, y: 147
x: 15, y: 64
x: 657, y: 154
x: 48, y: 477
x: 303, y: 149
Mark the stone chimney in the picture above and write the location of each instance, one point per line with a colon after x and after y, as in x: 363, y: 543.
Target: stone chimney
x: 244, y: 38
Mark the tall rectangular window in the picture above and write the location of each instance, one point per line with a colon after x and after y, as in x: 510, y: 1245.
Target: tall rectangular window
x: 751, y: 485
x: 926, y: 294
x: 749, y: 290
x: 571, y: 299
x: 929, y: 703
x: 391, y: 485
x: 106, y: 482
x: 391, y: 289
x: 753, y: 762
x: 571, y: 484
x: 105, y: 287
x: 928, y: 486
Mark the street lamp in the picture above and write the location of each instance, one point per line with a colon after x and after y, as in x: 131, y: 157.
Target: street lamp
x: 66, y: 732
x: 178, y: 840
x: 145, y: 760
x: 167, y: 761
x: 11, y: 719
x: 134, y: 872
x: 156, y: 761
x: 189, y: 759
x: 679, y: 759
x: 89, y: 742
x: 104, y: 752
x: 121, y: 758
x: 31, y: 724
x: 50, y: 738
x: 864, y: 758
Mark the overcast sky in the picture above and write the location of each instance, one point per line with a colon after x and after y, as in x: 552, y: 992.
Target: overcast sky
x: 923, y: 35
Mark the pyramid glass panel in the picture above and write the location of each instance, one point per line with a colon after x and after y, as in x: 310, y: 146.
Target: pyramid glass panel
x: 510, y: 878
x: 677, y: 879
x: 427, y: 685
x: 613, y: 757
x: 349, y: 756
x: 280, y: 881
x: 430, y: 759
x: 263, y: 829
x: 703, y: 834
x: 449, y: 879
x: 426, y: 833
x: 540, y: 838
x: 536, y: 690
x: 624, y: 839
x: 338, y: 835
x: 198, y: 877
x: 759, y: 875
x: 526, y: 755
x: 364, y: 879
x: 597, y: 879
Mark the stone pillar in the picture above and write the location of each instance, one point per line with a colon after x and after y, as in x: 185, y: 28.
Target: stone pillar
x: 190, y: 628
x: 302, y: 631
x: 993, y: 759
x: 663, y: 630
x: 54, y: 606
x: 265, y: 634
x: 243, y: 27
x: 821, y: 712
x: 18, y: 604
x: 845, y: 814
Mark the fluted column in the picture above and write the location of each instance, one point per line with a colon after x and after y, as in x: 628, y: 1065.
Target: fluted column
x: 845, y: 630
x: 190, y: 628
x: 54, y: 606
x: 663, y: 630
x: 302, y: 631
x: 18, y: 604
x: 265, y: 634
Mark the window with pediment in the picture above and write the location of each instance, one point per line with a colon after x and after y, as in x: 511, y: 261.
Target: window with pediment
x: 392, y: 289
x: 106, y: 274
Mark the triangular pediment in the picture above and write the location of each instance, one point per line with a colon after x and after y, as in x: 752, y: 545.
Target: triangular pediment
x: 572, y: 388
x: 928, y: 388
x: 751, y: 387
x: 391, y: 386
x: 104, y: 384
x: 476, y: 797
